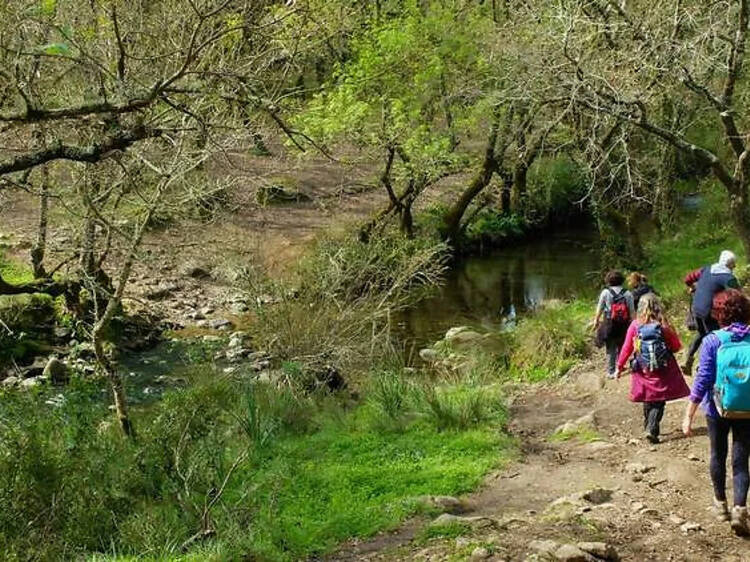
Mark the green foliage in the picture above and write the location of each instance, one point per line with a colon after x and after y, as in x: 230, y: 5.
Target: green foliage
x: 70, y: 486
x: 460, y: 408
x: 556, y: 184
x: 560, y: 329
x: 492, y: 227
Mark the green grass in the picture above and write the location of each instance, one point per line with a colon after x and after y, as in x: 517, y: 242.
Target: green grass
x: 316, y: 473
x: 13, y: 271
x: 580, y: 434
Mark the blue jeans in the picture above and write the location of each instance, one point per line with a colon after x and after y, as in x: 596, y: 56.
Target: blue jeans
x: 718, y: 436
x: 613, y: 350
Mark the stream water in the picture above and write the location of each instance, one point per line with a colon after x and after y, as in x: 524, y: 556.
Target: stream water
x: 493, y: 289
x: 489, y: 290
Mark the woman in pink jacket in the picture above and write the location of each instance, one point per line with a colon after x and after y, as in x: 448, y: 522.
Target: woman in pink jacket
x: 656, y: 376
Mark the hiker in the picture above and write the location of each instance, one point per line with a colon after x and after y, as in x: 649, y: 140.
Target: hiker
x: 723, y: 389
x: 704, y: 283
x: 614, y: 312
x: 655, y: 375
x: 638, y: 284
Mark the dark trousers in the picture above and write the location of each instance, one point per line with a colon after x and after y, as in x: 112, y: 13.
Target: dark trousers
x: 653, y: 412
x: 703, y: 327
x: 718, y: 436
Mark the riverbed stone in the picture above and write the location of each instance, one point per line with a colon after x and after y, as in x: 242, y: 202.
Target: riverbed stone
x: 56, y: 371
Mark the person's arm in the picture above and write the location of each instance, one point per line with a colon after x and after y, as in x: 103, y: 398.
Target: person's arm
x: 704, y: 380
x: 671, y: 339
x: 600, y: 307
x: 627, y: 348
x: 692, y: 277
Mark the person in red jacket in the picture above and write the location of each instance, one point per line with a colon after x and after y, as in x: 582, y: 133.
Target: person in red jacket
x: 656, y: 376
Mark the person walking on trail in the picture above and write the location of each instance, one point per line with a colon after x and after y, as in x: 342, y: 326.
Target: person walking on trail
x: 614, y: 312
x: 655, y: 375
x: 722, y: 386
x: 638, y: 285
x: 704, y: 284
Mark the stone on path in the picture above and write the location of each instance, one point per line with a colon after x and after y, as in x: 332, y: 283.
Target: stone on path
x: 690, y: 527
x: 571, y: 553
x: 446, y: 504
x: 601, y: 550
x: 479, y: 553
x: 544, y: 546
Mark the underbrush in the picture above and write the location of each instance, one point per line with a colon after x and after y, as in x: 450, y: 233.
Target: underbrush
x: 551, y: 341
x: 231, y: 470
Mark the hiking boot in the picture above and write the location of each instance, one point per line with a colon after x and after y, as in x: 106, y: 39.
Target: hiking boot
x: 739, y: 521
x: 720, y: 510
x: 651, y: 438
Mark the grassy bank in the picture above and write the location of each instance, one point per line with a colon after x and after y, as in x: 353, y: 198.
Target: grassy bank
x: 292, y: 475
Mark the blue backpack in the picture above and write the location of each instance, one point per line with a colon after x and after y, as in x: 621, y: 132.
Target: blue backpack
x: 651, y: 351
x: 732, y: 387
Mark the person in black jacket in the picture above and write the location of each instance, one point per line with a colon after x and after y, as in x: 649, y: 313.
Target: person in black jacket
x: 704, y: 284
x: 638, y: 284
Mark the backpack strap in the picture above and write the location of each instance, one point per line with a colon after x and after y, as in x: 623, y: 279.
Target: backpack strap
x: 723, y: 336
x: 615, y: 295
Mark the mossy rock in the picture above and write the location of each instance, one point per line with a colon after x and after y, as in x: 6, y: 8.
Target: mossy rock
x: 280, y: 193
x: 27, y: 313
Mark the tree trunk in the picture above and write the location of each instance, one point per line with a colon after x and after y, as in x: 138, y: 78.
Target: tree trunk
x: 452, y: 221
x: 520, y: 182
x: 740, y: 212
x: 40, y: 246
x: 505, y: 193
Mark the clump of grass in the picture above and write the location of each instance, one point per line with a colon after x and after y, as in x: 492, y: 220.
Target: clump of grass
x: 583, y: 434
x: 460, y: 407
x: 550, y: 342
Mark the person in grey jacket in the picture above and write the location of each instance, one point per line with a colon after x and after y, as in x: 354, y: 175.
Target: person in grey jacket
x: 614, y: 312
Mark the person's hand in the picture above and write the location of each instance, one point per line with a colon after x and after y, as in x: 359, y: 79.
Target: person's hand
x: 618, y: 373
x: 687, y: 426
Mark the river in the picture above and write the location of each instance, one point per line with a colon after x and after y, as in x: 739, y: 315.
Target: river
x: 493, y: 289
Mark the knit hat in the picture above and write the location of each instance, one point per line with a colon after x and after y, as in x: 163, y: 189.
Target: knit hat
x: 727, y: 257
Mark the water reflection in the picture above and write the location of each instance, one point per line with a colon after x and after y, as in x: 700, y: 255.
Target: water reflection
x: 491, y: 290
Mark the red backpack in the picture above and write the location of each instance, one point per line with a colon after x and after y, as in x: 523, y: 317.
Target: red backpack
x: 619, y: 313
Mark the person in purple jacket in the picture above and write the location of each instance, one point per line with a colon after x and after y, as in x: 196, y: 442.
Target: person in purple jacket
x: 732, y: 312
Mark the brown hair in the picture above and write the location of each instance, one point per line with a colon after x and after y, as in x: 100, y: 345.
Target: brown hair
x: 635, y: 279
x: 731, y: 306
x: 614, y: 278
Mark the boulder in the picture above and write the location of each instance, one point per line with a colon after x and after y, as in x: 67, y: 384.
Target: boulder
x: 571, y: 553
x: 446, y: 504
x: 429, y: 355
x: 473, y: 522
x: 462, y: 335
x: 56, y: 371
x: 220, y: 324
x: 278, y: 193
x: 32, y: 382
x: 453, y: 332
x: 601, y: 550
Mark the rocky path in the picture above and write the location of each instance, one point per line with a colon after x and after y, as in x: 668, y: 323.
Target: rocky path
x: 603, y: 485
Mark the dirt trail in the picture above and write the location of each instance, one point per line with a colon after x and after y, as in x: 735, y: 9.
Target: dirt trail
x: 646, y: 516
